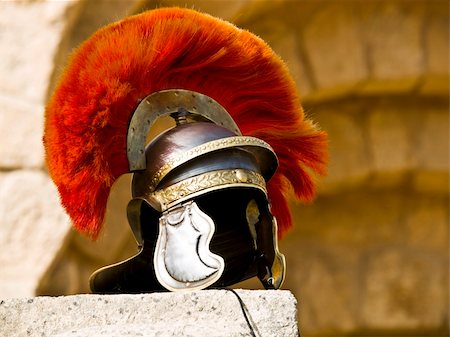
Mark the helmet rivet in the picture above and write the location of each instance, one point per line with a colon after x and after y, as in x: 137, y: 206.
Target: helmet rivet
x: 241, y: 176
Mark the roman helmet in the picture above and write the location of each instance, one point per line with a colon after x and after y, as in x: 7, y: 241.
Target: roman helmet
x: 207, y: 192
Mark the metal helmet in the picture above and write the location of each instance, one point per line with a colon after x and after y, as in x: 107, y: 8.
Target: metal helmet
x: 205, y: 192
x: 200, y: 212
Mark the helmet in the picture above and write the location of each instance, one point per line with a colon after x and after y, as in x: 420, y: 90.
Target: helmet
x: 205, y: 193
x: 199, y: 209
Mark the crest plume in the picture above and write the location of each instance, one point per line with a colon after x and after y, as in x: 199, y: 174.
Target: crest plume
x: 87, y: 117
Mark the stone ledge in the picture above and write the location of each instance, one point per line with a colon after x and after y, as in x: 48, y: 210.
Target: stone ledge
x: 212, y: 313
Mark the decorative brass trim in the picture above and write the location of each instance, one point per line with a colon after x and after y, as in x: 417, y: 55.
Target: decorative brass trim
x: 202, y: 149
x: 209, y: 181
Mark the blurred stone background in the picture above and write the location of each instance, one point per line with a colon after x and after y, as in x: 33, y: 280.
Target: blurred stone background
x: 369, y: 257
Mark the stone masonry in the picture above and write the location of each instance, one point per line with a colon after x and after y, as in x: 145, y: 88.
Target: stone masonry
x: 212, y: 313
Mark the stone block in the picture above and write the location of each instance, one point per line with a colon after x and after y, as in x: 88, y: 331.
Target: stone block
x: 332, y: 260
x: 325, y: 279
x: 390, y: 143
x: 431, y: 182
x: 31, y: 33
x: 374, y: 87
x: 392, y: 33
x: 21, y: 129
x: 349, y: 163
x: 33, y: 227
x: 357, y: 219
x: 437, y: 38
x: 211, y: 313
x: 433, y: 141
x: 426, y: 223
x: 404, y: 290
x: 435, y: 85
x: 332, y: 42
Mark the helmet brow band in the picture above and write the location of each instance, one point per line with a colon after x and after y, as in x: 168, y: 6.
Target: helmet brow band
x: 212, y: 146
x: 206, y: 182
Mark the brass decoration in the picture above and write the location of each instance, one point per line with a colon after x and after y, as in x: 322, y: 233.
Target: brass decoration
x: 209, y: 181
x: 202, y: 149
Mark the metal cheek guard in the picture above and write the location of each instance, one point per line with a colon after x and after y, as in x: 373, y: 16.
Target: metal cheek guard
x: 182, y: 259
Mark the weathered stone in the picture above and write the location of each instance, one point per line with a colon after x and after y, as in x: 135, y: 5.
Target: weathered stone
x: 327, y: 284
x: 392, y: 31
x: 375, y: 87
x: 31, y: 33
x: 437, y: 38
x: 328, y: 264
x: 32, y: 230
x: 349, y: 159
x: 436, y: 85
x: 206, y: 313
x: 427, y: 223
x: 21, y: 125
x: 404, y: 290
x: 390, y: 143
x: 431, y: 182
x: 333, y: 43
x: 433, y: 143
x: 356, y: 219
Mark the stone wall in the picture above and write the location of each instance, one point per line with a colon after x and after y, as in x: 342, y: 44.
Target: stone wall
x: 370, y: 256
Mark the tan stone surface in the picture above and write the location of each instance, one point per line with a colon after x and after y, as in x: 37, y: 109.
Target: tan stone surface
x: 370, y: 260
x: 431, y: 182
x: 332, y: 40
x: 433, y: 144
x: 392, y: 32
x: 427, y: 223
x: 21, y: 126
x: 212, y: 313
x: 403, y: 288
x: 29, y: 41
x: 349, y: 158
x: 437, y: 38
x: 32, y: 230
x: 312, y: 267
x: 390, y: 141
